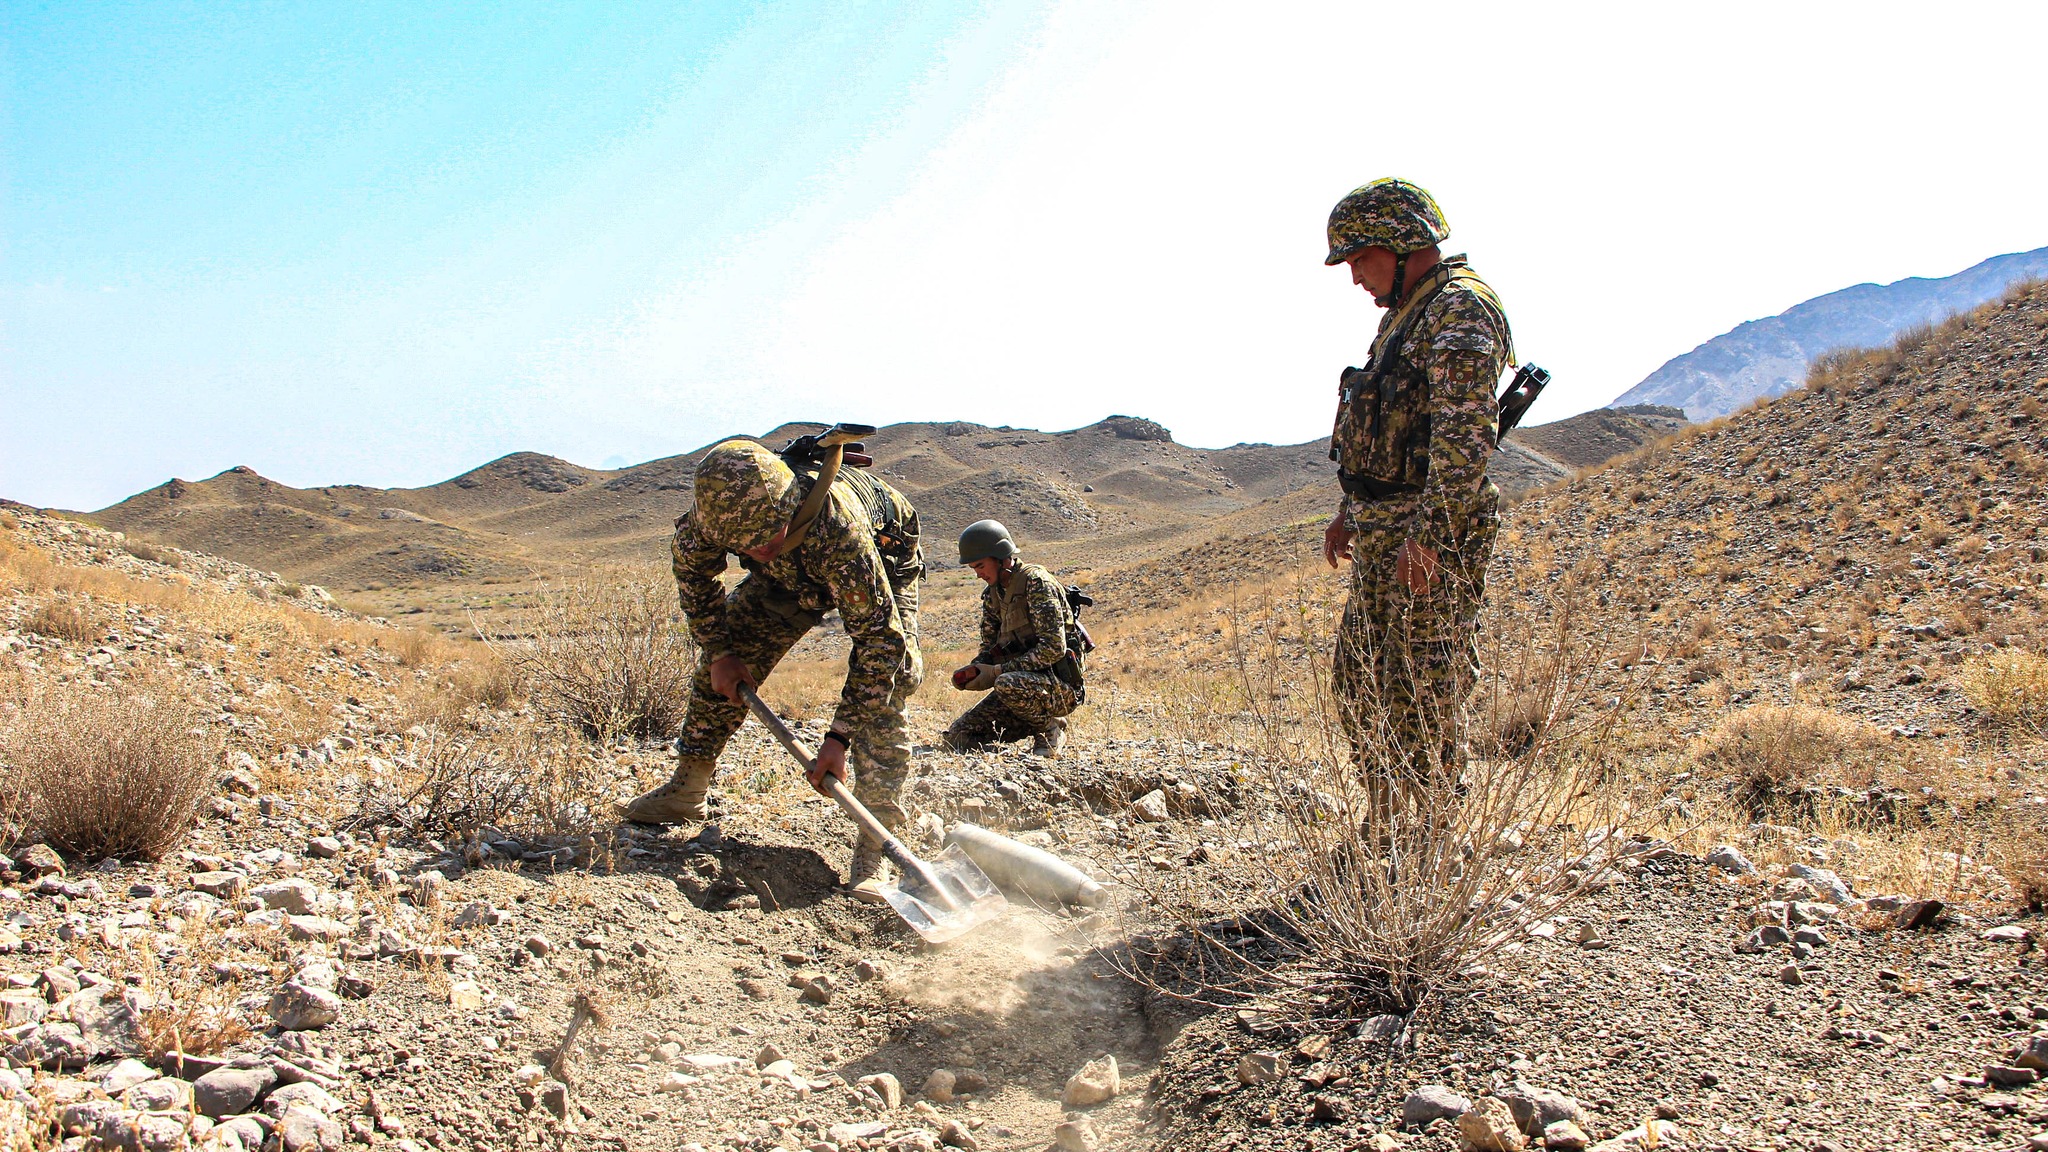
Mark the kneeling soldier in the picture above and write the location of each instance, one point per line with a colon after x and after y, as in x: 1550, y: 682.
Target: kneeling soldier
x: 857, y: 552
x: 1030, y: 658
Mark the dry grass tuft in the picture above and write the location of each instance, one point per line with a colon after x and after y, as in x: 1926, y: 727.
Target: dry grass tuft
x: 608, y: 657
x: 143, y: 550
x: 62, y: 620
x: 1777, y: 751
x: 2010, y: 687
x: 111, y: 773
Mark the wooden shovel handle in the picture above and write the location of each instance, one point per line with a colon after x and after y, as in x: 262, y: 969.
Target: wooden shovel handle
x: 834, y: 787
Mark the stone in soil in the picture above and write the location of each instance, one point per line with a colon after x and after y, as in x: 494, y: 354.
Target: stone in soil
x: 1489, y: 1126
x: 1536, y: 1109
x: 1076, y: 1135
x: 1097, y: 1082
x: 1259, y: 1067
x: 1432, y: 1102
x: 296, y: 1007
x: 938, y: 1087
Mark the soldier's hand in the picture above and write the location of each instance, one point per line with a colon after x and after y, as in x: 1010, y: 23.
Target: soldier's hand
x: 831, y: 761
x: 1337, y: 540
x: 1415, y: 566
x: 727, y: 674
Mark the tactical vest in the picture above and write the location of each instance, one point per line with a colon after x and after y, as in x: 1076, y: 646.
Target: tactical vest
x: 1015, y: 632
x: 1381, y: 438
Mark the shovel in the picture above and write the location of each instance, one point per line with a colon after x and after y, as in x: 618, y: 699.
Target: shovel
x: 947, y: 897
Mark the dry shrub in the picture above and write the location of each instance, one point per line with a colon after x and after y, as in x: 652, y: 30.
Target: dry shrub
x: 607, y: 657
x: 62, y: 620
x: 2029, y: 878
x: 526, y: 783
x: 483, y: 677
x: 113, y: 772
x: 1777, y: 751
x: 413, y: 648
x: 143, y: 550
x: 2010, y: 687
x: 1380, y: 901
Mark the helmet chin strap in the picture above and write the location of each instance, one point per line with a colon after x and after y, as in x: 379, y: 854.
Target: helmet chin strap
x: 1393, y: 297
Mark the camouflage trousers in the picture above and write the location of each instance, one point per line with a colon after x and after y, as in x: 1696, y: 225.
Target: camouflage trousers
x: 1021, y: 704
x: 764, y: 623
x: 1406, y: 663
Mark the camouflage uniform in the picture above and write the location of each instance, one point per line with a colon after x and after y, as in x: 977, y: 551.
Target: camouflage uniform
x: 1025, y: 625
x: 837, y: 565
x: 1413, y: 435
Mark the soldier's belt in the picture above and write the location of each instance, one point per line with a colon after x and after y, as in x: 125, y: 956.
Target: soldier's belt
x: 1367, y: 488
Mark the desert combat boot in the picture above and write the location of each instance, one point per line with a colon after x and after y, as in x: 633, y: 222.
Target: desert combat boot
x: 869, y: 872
x: 680, y: 800
x: 1049, y: 742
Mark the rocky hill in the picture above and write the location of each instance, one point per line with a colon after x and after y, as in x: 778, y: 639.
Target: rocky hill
x: 1110, y: 494
x: 1770, y: 356
x: 1593, y: 438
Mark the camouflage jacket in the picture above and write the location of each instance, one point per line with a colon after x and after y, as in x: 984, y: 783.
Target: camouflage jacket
x: 1024, y: 623
x: 1419, y: 420
x: 837, y: 566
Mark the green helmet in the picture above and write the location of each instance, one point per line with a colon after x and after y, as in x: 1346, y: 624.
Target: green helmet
x: 1386, y: 213
x: 745, y: 494
x: 984, y: 539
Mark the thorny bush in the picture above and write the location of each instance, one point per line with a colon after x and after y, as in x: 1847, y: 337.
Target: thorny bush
x: 608, y: 656
x: 530, y: 784
x: 1352, y: 904
x: 108, y: 770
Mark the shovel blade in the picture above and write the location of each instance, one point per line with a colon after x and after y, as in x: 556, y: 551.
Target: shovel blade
x: 950, y: 897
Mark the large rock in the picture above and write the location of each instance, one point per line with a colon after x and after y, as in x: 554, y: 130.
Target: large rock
x: 301, y: 1095
x: 160, y: 1095
x: 886, y: 1086
x: 1151, y: 807
x: 2033, y: 1052
x: 1097, y: 1082
x: 58, y: 1045
x: 1432, y: 1102
x: 1536, y: 1109
x: 1489, y: 1126
x: 1825, y: 882
x: 304, y: 1130
x: 296, y: 1008
x: 220, y: 885
x: 22, y: 1006
x: 233, y: 1090
x: 40, y: 860
x: 106, y: 1020
x: 1728, y: 858
x: 293, y: 897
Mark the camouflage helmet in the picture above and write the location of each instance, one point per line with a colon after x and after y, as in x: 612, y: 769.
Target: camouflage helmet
x: 984, y: 539
x: 745, y: 494
x: 1387, y: 213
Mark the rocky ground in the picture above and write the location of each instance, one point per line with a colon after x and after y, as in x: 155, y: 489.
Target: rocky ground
x: 319, y: 965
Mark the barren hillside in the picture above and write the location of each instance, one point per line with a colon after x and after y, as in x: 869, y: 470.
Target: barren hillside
x: 1096, y: 498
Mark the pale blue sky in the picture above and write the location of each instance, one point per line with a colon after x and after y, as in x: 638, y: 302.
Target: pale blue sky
x: 382, y: 243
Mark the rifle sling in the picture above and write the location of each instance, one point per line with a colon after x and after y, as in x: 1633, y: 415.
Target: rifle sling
x: 814, y: 501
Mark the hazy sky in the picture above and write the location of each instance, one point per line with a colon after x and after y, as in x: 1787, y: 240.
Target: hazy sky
x: 383, y: 243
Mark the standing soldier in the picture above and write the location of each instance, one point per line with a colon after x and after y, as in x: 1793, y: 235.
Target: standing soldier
x: 1415, y: 428
x: 856, y: 550
x: 1030, y: 658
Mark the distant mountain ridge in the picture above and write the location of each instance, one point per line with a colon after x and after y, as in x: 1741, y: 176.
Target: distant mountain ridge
x: 1769, y: 357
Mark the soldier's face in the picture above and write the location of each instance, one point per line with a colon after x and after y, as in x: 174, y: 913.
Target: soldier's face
x: 988, y: 568
x: 1373, y: 270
